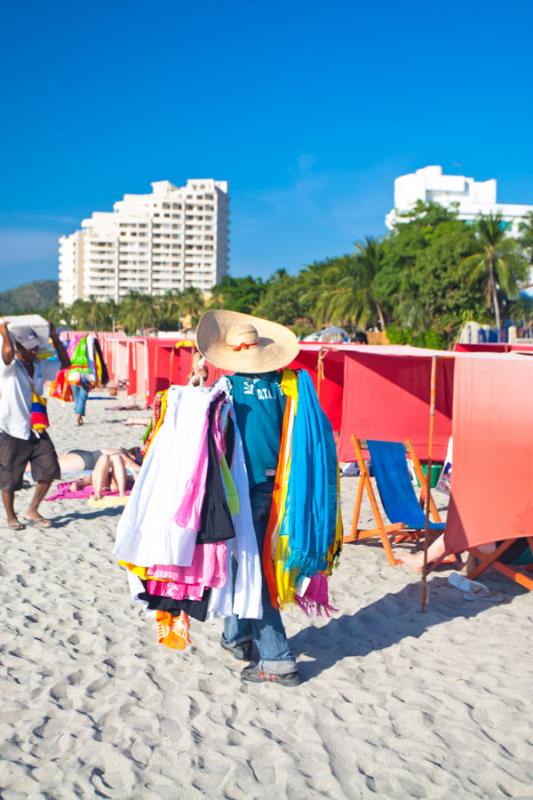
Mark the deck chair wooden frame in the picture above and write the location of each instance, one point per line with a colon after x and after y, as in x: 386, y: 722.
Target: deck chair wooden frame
x: 382, y: 530
x: 488, y: 560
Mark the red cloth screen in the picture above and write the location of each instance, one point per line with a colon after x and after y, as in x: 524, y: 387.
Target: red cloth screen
x: 492, y: 473
x: 387, y: 397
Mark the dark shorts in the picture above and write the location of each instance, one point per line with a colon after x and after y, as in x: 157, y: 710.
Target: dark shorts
x: 15, y: 455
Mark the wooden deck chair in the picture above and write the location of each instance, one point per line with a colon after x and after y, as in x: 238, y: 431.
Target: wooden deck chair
x: 398, y: 497
x: 510, y: 570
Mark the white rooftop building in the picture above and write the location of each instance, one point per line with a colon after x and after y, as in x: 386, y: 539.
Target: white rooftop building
x: 169, y: 240
x: 472, y: 197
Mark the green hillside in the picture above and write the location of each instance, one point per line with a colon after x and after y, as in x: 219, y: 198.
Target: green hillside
x: 36, y: 296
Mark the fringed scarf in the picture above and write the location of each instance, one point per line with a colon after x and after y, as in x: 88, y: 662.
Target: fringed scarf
x: 311, y: 512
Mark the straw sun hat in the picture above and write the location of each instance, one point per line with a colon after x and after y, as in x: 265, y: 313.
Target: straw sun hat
x: 242, y: 343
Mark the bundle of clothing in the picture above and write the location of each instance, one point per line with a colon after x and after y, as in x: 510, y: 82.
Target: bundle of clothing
x: 87, y: 367
x: 304, y: 536
x: 189, y: 514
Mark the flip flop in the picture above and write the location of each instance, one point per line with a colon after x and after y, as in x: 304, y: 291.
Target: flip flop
x: 16, y: 526
x: 39, y: 523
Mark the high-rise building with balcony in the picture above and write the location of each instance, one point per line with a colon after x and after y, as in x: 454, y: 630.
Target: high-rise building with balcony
x: 169, y: 240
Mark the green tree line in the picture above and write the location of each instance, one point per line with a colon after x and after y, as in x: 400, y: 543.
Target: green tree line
x: 419, y: 282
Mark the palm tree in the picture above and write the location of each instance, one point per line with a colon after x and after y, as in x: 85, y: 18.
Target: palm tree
x: 353, y: 299
x: 526, y: 237
x: 191, y: 304
x: 317, y: 283
x: 169, y: 310
x: 371, y: 256
x: 81, y: 314
x: 138, y: 311
x: 497, y: 263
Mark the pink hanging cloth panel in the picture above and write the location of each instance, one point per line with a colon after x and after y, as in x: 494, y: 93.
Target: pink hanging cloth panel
x: 492, y: 476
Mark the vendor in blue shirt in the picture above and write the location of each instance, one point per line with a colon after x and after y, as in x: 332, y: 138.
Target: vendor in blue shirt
x: 259, y: 406
x: 255, y: 349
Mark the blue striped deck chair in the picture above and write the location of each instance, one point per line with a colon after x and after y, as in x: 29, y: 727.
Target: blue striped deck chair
x: 398, y: 497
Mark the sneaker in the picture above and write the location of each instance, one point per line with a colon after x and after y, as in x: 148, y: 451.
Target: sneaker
x: 241, y: 651
x: 253, y: 674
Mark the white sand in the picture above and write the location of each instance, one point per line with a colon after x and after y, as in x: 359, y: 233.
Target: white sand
x: 395, y: 704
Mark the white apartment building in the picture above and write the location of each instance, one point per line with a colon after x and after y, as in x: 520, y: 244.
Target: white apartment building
x: 472, y: 197
x: 169, y: 240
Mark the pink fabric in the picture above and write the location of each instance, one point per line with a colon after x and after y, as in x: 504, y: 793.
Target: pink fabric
x: 208, y: 567
x: 316, y: 597
x: 73, y: 342
x: 177, y: 591
x: 218, y: 433
x: 189, y: 511
x: 64, y: 492
x: 492, y: 477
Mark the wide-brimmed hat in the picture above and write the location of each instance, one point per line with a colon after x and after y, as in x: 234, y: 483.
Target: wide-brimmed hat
x: 242, y: 343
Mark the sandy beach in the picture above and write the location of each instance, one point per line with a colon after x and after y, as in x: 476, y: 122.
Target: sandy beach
x: 394, y: 703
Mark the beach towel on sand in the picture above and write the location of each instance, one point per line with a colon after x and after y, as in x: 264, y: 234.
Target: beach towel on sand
x: 64, y: 492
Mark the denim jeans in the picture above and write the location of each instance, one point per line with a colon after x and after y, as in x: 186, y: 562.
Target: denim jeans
x: 80, y: 394
x: 267, y: 633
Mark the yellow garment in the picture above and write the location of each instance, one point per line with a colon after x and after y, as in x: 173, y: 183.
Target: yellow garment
x: 285, y: 580
x: 163, y: 411
x: 141, y: 572
x: 289, y: 387
x: 98, y: 369
x: 335, y: 549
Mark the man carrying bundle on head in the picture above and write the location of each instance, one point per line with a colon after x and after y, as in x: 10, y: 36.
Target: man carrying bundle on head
x: 23, y: 420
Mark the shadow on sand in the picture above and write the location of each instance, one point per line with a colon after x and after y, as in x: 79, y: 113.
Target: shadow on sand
x: 388, y: 620
x: 62, y: 520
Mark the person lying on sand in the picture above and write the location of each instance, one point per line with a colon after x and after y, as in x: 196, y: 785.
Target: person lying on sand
x: 111, y: 471
x: 76, y: 460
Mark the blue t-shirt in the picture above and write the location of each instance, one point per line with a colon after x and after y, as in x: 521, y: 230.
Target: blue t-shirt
x: 259, y: 407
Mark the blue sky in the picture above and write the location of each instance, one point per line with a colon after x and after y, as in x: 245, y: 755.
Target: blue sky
x: 309, y: 109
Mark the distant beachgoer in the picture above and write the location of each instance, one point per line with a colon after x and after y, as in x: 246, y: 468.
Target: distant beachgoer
x: 360, y: 338
x: 80, y: 392
x: 111, y: 471
x: 78, y: 460
x: 23, y: 420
